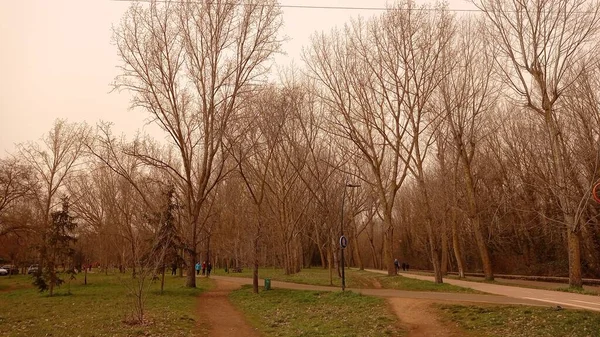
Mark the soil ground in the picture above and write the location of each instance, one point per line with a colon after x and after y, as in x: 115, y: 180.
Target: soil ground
x: 218, y: 314
x: 415, y: 315
x: 418, y: 318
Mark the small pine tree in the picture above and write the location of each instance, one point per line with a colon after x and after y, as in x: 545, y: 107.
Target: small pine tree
x: 57, y: 247
x: 166, y: 242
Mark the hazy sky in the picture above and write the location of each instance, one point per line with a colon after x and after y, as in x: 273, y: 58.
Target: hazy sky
x: 57, y: 60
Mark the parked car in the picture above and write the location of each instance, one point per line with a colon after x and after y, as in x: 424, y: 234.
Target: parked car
x: 11, y: 268
x: 33, y: 269
x: 3, y: 272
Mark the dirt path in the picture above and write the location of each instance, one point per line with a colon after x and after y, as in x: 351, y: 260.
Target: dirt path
x: 376, y: 284
x: 419, y: 319
x: 415, y: 314
x: 218, y: 315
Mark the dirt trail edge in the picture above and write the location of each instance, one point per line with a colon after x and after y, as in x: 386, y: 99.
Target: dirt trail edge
x: 218, y: 314
x: 418, y: 319
x: 415, y: 314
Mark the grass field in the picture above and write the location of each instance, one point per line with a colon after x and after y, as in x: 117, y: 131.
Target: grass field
x: 287, y: 313
x: 100, y: 308
x: 103, y: 307
x: 354, y: 279
x: 520, y: 321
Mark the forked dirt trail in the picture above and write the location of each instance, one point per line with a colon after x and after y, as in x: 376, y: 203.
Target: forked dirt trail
x: 222, y: 319
x: 417, y: 317
x: 219, y: 316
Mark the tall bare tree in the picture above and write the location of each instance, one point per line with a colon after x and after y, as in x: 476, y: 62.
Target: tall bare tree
x: 254, y: 154
x: 52, y: 161
x: 467, y: 95
x: 375, y: 77
x: 541, y: 48
x: 419, y: 38
x: 188, y: 64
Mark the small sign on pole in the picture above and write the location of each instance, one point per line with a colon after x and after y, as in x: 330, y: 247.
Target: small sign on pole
x: 343, y: 242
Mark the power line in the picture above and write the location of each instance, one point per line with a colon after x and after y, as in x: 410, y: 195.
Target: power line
x: 321, y: 7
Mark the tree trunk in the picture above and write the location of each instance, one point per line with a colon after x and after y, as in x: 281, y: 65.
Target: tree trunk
x: 560, y: 169
x: 356, y: 249
x: 191, y: 275
x: 255, y: 266
x: 444, y: 248
x: 373, y: 253
x: 134, y: 258
x: 162, y: 279
x: 330, y: 263
x: 436, y: 261
x: 457, y: 248
x: 322, y: 252
x: 389, y: 243
x: 484, y: 254
x: 207, y: 253
x: 483, y: 250
x: 574, y: 247
x: 51, y: 272
x: 182, y: 264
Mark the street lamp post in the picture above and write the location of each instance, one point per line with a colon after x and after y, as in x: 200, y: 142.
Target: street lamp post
x: 343, y: 240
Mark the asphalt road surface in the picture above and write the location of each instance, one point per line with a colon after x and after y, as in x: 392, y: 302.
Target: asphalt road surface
x: 547, y: 297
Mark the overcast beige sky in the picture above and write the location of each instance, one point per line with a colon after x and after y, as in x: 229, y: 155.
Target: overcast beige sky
x: 56, y: 60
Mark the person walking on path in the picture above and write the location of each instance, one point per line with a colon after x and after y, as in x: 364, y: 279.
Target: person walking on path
x: 197, y: 268
x: 174, y: 269
x: 208, y: 269
x: 396, y: 265
x: 203, y: 267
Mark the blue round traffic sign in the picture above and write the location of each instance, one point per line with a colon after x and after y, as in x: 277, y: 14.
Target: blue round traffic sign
x: 343, y: 242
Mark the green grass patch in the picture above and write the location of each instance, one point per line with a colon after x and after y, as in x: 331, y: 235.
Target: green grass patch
x: 283, y: 312
x: 522, y: 321
x: 354, y: 279
x: 407, y: 283
x: 100, y: 308
x: 313, y: 276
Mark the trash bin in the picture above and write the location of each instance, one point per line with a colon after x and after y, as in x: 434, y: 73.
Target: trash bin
x: 267, y: 284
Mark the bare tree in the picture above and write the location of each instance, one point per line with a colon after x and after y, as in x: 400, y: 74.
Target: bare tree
x: 467, y: 95
x: 377, y: 81
x: 419, y: 39
x: 541, y: 48
x: 52, y: 161
x: 187, y: 64
x: 254, y: 154
x: 15, y: 184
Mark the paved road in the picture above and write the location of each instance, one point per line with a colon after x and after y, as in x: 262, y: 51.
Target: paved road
x: 549, y: 297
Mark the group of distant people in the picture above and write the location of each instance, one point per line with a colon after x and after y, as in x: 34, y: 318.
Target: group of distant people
x: 405, y: 266
x: 206, y: 268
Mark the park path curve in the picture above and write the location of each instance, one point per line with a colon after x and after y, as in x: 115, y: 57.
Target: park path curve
x: 413, y: 308
x: 534, y: 296
x: 392, y: 293
x: 219, y: 316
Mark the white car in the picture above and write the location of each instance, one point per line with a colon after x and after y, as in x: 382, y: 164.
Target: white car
x: 3, y: 271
